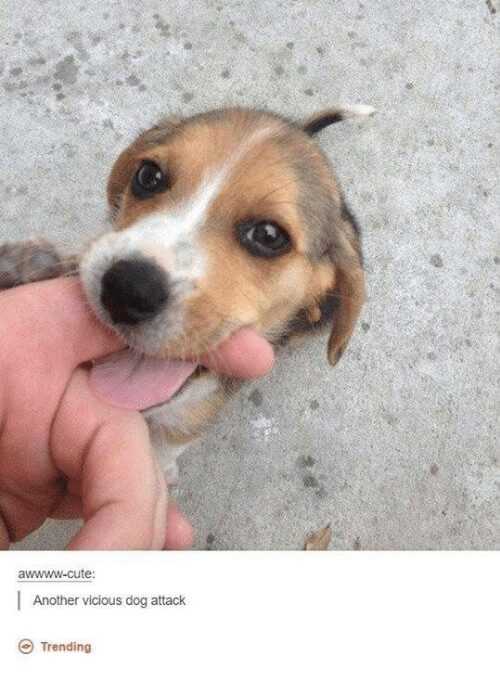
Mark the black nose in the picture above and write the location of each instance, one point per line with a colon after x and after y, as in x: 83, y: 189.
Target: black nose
x: 134, y: 290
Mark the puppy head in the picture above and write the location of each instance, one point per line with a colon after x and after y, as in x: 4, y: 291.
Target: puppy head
x: 227, y: 219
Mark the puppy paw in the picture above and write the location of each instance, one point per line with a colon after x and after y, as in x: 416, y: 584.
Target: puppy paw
x: 30, y: 262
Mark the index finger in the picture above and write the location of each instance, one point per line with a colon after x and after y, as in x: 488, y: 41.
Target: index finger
x: 54, y: 316
x: 57, y: 313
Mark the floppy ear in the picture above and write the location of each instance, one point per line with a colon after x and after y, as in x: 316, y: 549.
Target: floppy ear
x: 341, y: 294
x: 325, y: 118
x: 342, y: 302
x: 123, y: 166
x: 349, y: 293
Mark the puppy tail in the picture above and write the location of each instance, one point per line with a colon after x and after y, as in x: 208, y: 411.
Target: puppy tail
x: 325, y: 118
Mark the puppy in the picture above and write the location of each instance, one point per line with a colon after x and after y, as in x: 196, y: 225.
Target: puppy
x: 226, y: 219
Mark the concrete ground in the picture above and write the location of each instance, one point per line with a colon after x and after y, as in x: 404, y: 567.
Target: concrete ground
x: 397, y: 446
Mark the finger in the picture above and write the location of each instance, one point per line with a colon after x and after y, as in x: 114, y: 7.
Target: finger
x: 24, y: 505
x: 124, y: 499
x: 122, y: 495
x: 54, y: 314
x: 4, y: 534
x: 246, y: 355
x: 179, y: 534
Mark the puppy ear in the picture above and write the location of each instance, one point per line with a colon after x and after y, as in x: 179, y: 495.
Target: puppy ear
x: 343, y: 302
x: 122, y: 168
x: 350, y: 293
x: 349, y: 288
x: 325, y: 118
x: 339, y: 291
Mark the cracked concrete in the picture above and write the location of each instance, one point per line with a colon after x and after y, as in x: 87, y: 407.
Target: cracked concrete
x: 397, y: 446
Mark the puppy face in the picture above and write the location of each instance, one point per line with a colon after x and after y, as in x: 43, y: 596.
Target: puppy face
x: 227, y: 219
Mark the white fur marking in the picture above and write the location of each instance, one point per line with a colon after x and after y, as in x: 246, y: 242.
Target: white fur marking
x: 170, y: 237
x: 360, y: 110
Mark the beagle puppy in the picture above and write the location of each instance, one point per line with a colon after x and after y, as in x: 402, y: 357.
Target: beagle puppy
x: 226, y: 219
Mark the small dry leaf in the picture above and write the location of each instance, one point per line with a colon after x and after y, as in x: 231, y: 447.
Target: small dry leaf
x: 320, y: 540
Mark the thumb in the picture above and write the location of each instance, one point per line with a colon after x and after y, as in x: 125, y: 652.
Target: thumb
x: 56, y: 315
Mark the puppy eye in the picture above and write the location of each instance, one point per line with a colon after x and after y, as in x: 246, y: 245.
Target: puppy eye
x: 149, y: 180
x: 263, y: 238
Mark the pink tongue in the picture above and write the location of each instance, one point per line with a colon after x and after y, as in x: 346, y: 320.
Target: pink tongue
x: 135, y: 381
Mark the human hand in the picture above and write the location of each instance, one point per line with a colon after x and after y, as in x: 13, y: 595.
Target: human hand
x: 66, y: 453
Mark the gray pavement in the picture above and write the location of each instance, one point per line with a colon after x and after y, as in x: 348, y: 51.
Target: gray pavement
x: 397, y: 446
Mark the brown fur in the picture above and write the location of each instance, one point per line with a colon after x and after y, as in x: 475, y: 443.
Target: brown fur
x: 283, y: 176
x: 270, y: 181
